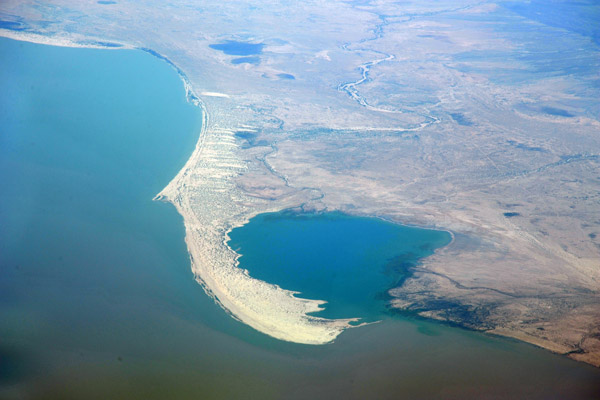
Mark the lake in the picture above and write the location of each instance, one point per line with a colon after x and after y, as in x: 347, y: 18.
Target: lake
x: 350, y: 262
x: 97, y: 299
x: 235, y: 48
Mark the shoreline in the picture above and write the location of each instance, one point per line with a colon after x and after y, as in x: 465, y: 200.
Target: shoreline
x: 213, y: 263
x: 175, y: 196
x: 263, y: 306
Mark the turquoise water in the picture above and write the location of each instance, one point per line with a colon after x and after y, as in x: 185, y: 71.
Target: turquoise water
x: 97, y: 300
x: 350, y: 262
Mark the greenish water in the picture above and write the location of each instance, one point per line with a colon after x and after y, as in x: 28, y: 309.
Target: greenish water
x: 350, y: 262
x: 97, y: 300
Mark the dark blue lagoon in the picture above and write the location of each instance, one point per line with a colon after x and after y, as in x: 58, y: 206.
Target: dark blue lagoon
x: 235, y: 48
x: 286, y: 76
x: 348, y: 261
x: 246, y: 60
x: 97, y: 300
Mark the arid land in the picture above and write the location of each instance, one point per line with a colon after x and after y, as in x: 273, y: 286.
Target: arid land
x: 464, y: 116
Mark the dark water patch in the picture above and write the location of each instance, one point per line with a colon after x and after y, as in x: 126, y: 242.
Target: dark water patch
x: 512, y: 205
x: 257, y: 143
x: 13, y: 25
x: 250, y: 139
x: 452, y: 313
x: 350, y: 262
x: 246, y: 60
x: 106, y: 2
x: 557, y: 111
x: 402, y: 267
x: 461, y: 119
x: 14, y: 366
x: 107, y: 44
x: 592, y: 235
x: 286, y: 76
x: 511, y: 214
x: 525, y: 147
x: 245, y: 135
x: 235, y: 48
